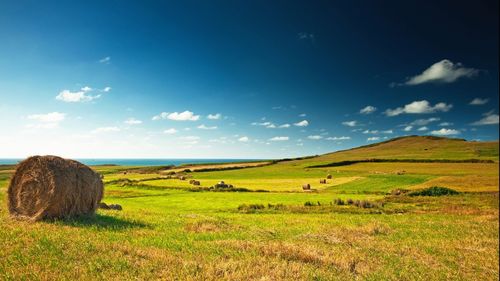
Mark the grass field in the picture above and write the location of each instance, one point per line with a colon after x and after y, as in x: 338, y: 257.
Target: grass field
x: 170, y: 230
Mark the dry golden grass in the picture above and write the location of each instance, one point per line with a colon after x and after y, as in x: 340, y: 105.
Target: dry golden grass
x: 469, y: 183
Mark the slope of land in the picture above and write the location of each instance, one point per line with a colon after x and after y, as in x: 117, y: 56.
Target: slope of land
x: 170, y: 229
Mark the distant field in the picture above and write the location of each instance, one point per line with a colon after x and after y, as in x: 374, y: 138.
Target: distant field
x: 169, y: 229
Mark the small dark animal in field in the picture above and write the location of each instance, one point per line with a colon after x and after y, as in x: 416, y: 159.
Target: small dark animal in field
x: 103, y: 206
x: 115, y: 207
x: 306, y: 187
x: 322, y: 181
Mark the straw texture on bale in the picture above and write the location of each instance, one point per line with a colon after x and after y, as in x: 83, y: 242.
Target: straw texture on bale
x: 48, y: 187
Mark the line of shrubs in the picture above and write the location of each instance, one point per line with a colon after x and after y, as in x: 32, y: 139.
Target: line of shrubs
x: 376, y: 160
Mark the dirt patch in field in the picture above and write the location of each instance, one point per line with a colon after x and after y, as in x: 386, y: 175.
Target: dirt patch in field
x: 207, y: 225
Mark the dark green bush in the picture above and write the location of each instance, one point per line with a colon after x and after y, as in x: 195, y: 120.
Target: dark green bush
x: 339, y: 202
x: 434, y: 191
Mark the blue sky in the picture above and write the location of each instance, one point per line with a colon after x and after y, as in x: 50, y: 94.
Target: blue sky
x: 242, y: 79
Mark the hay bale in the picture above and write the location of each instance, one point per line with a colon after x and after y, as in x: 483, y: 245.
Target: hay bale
x: 182, y: 178
x: 329, y: 176
x: 306, y: 187
x: 46, y: 187
x: 322, y: 181
x: 196, y: 182
x: 191, y: 181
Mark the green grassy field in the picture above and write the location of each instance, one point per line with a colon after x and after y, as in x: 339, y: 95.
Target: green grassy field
x: 170, y: 230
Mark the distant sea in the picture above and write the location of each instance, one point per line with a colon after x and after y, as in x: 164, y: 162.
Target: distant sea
x: 140, y: 162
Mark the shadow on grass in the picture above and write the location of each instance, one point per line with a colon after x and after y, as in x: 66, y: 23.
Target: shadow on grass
x: 101, y: 221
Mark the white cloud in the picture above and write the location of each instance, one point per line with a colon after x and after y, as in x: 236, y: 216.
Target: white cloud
x: 83, y: 95
x: 284, y: 126
x: 53, y: 117
x: 175, y: 116
x: 370, y: 132
x: 338, y: 138
x: 244, y: 139
x: 133, y: 121
x: 190, y: 139
x: 46, y: 121
x: 315, y: 137
x: 106, y: 89
x: 203, y: 127
x: 215, y: 116
x: 445, y: 124
x: 279, y: 139
x: 106, y: 130
x: 489, y: 119
x: 368, y: 109
x: 424, y: 128
x: 408, y: 128
x: 423, y: 122
x: 479, y: 101
x: 303, y: 123
x: 170, y: 131
x: 302, y: 115
x: 445, y: 132
x: 350, y: 123
x: 387, y: 132
x: 271, y: 126
x: 443, y: 71
x: 419, y: 107
x: 373, y: 139
x: 305, y: 36
x: 105, y: 60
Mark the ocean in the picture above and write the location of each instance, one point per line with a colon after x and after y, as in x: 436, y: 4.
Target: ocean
x: 139, y: 162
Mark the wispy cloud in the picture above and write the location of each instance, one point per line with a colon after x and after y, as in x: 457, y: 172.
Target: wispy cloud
x: 306, y: 36
x: 303, y: 123
x: 280, y: 138
x: 48, y: 118
x: 443, y: 71
x: 46, y: 121
x: 176, y: 116
x: 338, y: 138
x: 215, y: 116
x: 284, y: 126
x: 445, y: 132
x: 489, y: 119
x: 408, y: 128
x: 479, y: 101
x: 424, y: 128
x: 83, y: 95
x: 423, y: 122
x: 373, y: 139
x: 105, y: 60
x: 133, y: 121
x: 203, y: 127
x: 315, y: 137
x: 419, y: 107
x: 170, y: 131
x: 368, y: 109
x: 370, y: 132
x: 352, y: 123
x: 244, y: 139
x: 106, y: 130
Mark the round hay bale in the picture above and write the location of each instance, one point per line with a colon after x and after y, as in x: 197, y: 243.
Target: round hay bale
x: 329, y: 176
x: 47, y: 187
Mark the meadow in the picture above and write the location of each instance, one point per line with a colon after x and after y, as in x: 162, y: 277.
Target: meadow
x: 272, y: 229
